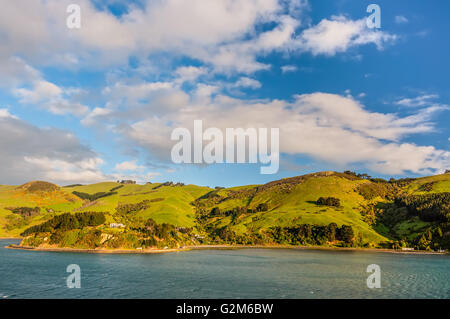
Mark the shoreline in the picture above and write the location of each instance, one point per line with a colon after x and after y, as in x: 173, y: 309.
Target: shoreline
x: 358, y: 249
x: 218, y: 247
x: 94, y: 251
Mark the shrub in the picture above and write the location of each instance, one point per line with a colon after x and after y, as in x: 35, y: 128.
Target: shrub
x: 131, y: 208
x: 25, y: 211
x: 116, y: 188
x: 92, y: 197
x: 427, y: 187
x: 329, y: 201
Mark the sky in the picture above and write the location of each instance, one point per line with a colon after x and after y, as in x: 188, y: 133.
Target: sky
x: 99, y: 102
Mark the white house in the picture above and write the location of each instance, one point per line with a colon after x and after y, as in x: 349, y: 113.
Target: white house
x: 115, y: 225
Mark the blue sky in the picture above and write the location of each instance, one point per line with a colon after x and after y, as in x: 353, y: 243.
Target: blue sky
x: 99, y: 103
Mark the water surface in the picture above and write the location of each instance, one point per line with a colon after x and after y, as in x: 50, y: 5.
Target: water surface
x: 243, y: 273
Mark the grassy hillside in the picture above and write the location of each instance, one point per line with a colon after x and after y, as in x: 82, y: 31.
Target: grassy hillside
x: 171, y: 205
x: 293, y: 201
x: 430, y: 184
x: 245, y: 214
x: 34, y: 194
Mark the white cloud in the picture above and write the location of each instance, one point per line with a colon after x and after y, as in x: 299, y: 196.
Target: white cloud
x: 189, y: 73
x: 32, y: 153
x: 196, y: 29
x: 288, y: 68
x: 5, y: 113
x: 96, y: 114
x: 339, y: 34
x: 49, y: 96
x: 325, y: 126
x: 128, y: 166
x: 401, y: 19
x: 421, y: 100
x: 85, y: 171
x: 15, y: 71
x: 246, y: 82
x: 37, y: 30
x: 42, y: 90
x: 328, y: 127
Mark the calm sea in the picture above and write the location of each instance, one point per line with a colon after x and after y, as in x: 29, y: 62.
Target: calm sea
x: 246, y: 273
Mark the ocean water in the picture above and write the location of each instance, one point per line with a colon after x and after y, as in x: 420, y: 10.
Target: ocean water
x: 244, y: 273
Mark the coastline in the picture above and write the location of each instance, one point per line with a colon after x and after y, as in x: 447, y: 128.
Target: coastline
x: 95, y: 251
x: 357, y: 249
x: 214, y: 247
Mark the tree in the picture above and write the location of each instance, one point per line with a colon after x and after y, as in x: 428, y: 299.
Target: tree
x: 330, y: 232
x: 347, y: 234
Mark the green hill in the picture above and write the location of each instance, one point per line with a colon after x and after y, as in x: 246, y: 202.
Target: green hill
x: 293, y: 201
x: 362, y: 212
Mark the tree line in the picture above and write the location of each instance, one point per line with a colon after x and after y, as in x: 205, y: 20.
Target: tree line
x: 237, y: 211
x: 67, y: 221
x: 429, y: 207
x: 304, y: 234
x: 92, y: 197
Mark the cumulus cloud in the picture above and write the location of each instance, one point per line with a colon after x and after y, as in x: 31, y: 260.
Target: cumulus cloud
x: 196, y: 28
x: 128, y: 166
x: 189, y: 73
x: 15, y: 71
x: 31, y: 153
x: 51, y: 97
x: 328, y: 127
x: 338, y: 34
x: 246, y: 82
x: 175, y: 26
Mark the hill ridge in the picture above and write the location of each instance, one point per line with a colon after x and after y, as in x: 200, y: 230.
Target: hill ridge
x: 244, y: 213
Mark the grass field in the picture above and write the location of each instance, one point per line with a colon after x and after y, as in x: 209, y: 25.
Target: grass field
x: 290, y: 202
x: 298, y: 206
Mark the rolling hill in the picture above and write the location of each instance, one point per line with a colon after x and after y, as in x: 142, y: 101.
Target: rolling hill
x: 246, y: 214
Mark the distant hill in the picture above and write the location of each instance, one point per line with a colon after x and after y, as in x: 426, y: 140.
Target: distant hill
x: 38, y: 186
x: 362, y: 212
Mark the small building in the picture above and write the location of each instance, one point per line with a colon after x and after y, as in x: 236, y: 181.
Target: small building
x: 116, y: 225
x: 407, y: 248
